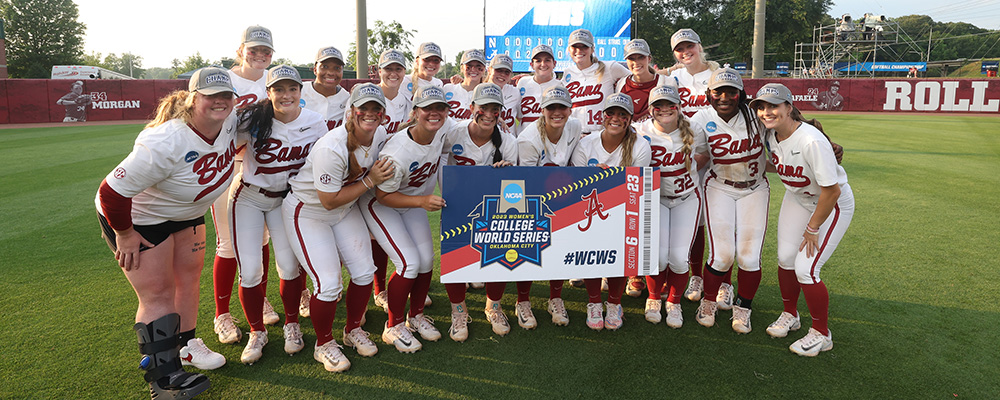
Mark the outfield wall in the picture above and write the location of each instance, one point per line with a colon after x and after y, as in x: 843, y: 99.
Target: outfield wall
x: 34, y: 100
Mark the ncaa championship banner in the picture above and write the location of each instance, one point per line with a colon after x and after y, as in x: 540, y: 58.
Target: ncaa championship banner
x: 515, y: 27
x: 541, y: 223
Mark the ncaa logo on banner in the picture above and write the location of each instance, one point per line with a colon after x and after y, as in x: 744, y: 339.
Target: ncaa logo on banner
x: 512, y: 228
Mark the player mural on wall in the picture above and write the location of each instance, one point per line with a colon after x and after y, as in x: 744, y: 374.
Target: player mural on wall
x: 830, y: 100
x: 76, y: 103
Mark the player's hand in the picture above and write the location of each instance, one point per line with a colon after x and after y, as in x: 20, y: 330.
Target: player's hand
x: 432, y: 202
x: 810, y: 242
x: 515, y: 78
x: 603, y: 166
x: 838, y: 151
x: 456, y: 79
x: 502, y: 163
x: 381, y: 171
x: 129, y: 242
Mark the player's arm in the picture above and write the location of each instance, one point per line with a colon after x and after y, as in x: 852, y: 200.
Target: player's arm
x: 117, y: 209
x: 828, y: 196
x: 398, y: 200
x: 378, y: 174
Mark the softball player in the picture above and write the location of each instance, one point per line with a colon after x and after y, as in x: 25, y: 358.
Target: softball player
x: 501, y: 68
x: 616, y: 145
x: 397, y: 216
x: 551, y: 141
x: 152, y: 214
x: 249, y: 77
x: 589, y: 80
x: 736, y: 197
x: 481, y: 142
x: 428, y: 63
x: 324, y: 95
x: 677, y: 151
x: 326, y: 228
x: 818, y: 203
x: 280, y: 134
x: 691, y: 74
x: 459, y: 95
x: 542, y: 63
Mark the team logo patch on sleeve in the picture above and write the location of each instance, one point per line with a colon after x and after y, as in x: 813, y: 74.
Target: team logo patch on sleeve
x: 191, y: 156
x: 511, y: 228
x: 325, y: 179
x: 119, y: 173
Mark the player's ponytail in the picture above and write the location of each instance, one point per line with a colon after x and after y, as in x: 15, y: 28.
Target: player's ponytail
x: 411, y: 121
x: 239, y: 57
x: 600, y: 66
x: 351, y: 124
x: 497, y: 141
x: 176, y: 105
x: 258, y: 119
x: 753, y: 124
x: 543, y: 131
x: 687, y: 137
x: 627, y: 144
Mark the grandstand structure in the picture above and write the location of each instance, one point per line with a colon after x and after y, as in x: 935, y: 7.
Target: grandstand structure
x: 846, y: 43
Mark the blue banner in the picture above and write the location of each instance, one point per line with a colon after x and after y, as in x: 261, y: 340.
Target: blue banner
x: 884, y: 67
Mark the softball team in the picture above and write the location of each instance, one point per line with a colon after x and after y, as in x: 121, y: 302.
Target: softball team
x: 589, y: 80
x: 501, y: 69
x: 531, y: 88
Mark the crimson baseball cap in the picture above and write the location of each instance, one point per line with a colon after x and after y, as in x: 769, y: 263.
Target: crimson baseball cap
x: 774, y: 93
x: 620, y: 100
x: 210, y: 80
x: 282, y: 72
x: 258, y: 36
x: 366, y: 92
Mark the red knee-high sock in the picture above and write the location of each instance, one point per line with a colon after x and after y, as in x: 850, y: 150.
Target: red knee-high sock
x: 322, y: 314
x: 252, y: 300
x: 555, y: 289
x: 494, y: 290
x: 421, y: 286
x: 357, y: 303
x: 749, y: 282
x: 381, y: 264
x: 713, y: 279
x: 728, y: 279
x: 654, y: 283
x: 697, y: 256
x: 790, y: 289
x: 818, y: 301
x: 616, y: 287
x: 456, y: 292
x: 593, y: 289
x: 399, y: 290
x: 223, y: 275
x: 523, y: 291
x: 676, y: 282
x: 266, y: 250
x: 291, y: 293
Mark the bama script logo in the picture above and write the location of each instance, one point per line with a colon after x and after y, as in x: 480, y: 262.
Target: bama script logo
x: 512, y: 227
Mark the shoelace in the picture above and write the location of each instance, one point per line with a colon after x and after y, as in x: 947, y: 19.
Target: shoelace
x: 197, y: 346
x: 293, y: 332
x: 359, y: 335
x: 594, y: 312
x: 559, y: 307
x: 498, y: 317
x: 786, y: 319
x: 460, y: 319
x: 332, y: 351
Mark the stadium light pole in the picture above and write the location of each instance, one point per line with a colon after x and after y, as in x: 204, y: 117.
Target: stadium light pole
x: 758, y: 39
x: 362, y: 40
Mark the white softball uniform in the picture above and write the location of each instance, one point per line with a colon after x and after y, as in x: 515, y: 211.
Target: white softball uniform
x: 736, y: 193
x: 692, y: 89
x: 406, y: 88
x: 531, y: 98
x: 173, y: 173
x: 534, y: 151
x: 591, y: 152
x: 322, y: 239
x: 461, y: 150
x: 459, y: 99
x: 331, y: 108
x: 255, y: 204
x: 248, y: 92
x: 680, y: 196
x: 589, y: 91
x: 805, y: 162
x: 405, y: 233
x: 511, y: 112
x: 397, y: 111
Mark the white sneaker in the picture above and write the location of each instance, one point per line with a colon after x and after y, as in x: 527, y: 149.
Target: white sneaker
x: 382, y: 300
x: 525, y: 318
x: 558, y: 310
x: 725, y: 297
x: 576, y: 282
x: 304, y: 303
x: 255, y: 347
x: 360, y: 341
x: 813, y: 343
x: 695, y: 285
x: 675, y: 319
x: 498, y: 320
x: 706, y: 313
x: 400, y: 337
x: 614, y: 317
x: 741, y: 319
x: 652, y: 312
x: 635, y: 286
x: 477, y: 285
x: 293, y: 338
x: 197, y: 355
x: 226, y: 328
x: 785, y: 322
x: 423, y: 325
x: 332, y: 358
x: 270, y: 316
x: 595, y: 316
x: 459, y: 330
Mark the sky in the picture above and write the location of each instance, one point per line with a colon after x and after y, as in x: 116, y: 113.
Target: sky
x: 176, y: 29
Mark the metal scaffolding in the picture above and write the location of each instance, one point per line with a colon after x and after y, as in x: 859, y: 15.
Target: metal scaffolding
x: 875, y: 38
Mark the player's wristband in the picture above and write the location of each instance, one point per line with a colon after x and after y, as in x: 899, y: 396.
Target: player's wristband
x: 366, y: 183
x: 812, y: 231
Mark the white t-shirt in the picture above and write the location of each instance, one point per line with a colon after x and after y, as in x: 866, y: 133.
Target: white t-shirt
x: 459, y: 99
x: 331, y: 108
x: 326, y: 166
x: 591, y: 152
x: 534, y: 152
x: 805, y: 162
x: 397, y: 111
x: 675, y: 180
x: 415, y: 164
x: 588, y: 92
x: 692, y: 90
x: 248, y: 92
x: 511, y: 112
x: 285, y: 152
x: 737, y: 155
x: 461, y: 150
x: 531, y: 98
x: 406, y: 88
x: 173, y: 173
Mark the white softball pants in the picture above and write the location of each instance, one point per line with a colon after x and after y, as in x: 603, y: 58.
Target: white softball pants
x: 251, y: 216
x: 404, y: 234
x: 678, y: 223
x: 736, y: 223
x: 792, y: 220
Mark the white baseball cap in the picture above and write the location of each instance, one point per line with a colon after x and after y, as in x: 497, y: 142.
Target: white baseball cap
x: 487, y: 93
x: 427, y: 95
x: 327, y: 53
x: 620, y: 100
x: 637, y: 46
x: 210, y: 80
x: 543, y: 48
x: 258, y: 36
x: 556, y: 95
x: 664, y: 92
x: 501, y: 61
x: 473, y: 55
x: 283, y: 72
x: 774, y: 93
x: 391, y: 56
x: 725, y: 77
x: 365, y: 92
x: 684, y: 35
x: 429, y: 49
x: 581, y: 36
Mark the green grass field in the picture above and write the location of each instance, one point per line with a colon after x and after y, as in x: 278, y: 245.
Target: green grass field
x: 914, y: 298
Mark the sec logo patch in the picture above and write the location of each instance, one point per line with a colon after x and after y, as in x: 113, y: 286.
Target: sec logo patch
x: 119, y: 173
x: 325, y: 179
